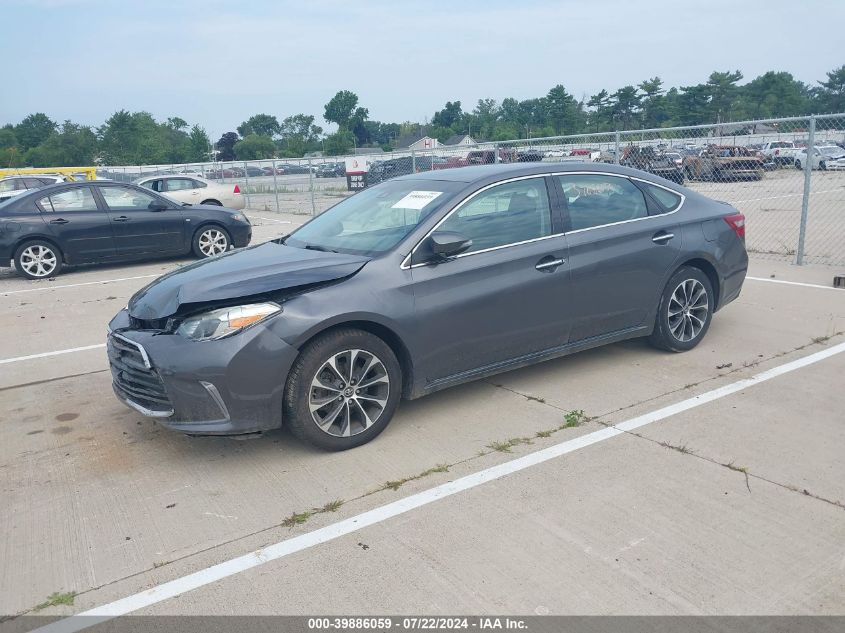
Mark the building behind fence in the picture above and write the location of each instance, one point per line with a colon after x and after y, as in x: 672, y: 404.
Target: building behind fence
x: 783, y: 174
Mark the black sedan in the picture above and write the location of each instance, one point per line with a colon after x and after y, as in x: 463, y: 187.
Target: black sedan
x: 99, y: 221
x: 420, y: 283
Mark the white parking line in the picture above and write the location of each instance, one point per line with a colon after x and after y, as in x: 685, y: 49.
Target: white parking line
x: 18, y: 359
x: 380, y: 514
x: 272, y: 220
x: 789, y: 195
x: 792, y: 283
x: 86, y: 283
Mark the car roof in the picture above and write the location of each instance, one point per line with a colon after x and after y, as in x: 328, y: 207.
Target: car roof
x: 499, y: 171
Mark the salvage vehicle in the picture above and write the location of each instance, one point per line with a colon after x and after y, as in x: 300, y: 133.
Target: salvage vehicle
x: 723, y: 163
x: 779, y: 153
x: 12, y: 186
x: 103, y: 221
x: 420, y: 283
x: 653, y: 161
x: 825, y: 157
x: 195, y: 189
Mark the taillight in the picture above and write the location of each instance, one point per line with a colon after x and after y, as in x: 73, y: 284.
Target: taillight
x: 737, y: 223
x: 236, y: 189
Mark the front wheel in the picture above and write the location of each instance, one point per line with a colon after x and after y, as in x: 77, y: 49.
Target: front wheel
x: 685, y: 311
x: 210, y: 241
x: 342, y: 390
x: 38, y: 260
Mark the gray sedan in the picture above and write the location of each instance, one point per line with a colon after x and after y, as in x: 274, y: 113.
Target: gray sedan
x: 420, y: 283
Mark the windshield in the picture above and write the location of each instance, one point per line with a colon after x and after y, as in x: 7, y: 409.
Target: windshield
x: 375, y: 220
x: 832, y: 151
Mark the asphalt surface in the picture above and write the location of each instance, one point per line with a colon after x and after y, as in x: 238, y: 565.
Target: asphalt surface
x: 733, y: 506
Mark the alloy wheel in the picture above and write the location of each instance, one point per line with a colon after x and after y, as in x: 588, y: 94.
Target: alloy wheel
x: 213, y: 242
x: 349, y: 393
x: 38, y: 260
x: 688, y: 310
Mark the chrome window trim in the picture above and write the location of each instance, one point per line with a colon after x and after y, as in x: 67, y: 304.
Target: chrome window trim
x: 405, y: 261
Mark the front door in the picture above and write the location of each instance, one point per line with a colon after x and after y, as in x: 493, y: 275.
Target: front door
x: 139, y: 228
x: 81, y: 228
x: 507, y: 296
x: 621, y: 247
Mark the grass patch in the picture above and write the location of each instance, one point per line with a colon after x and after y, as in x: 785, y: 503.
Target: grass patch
x: 507, y: 445
x: 681, y: 449
x: 398, y: 483
x: 296, y: 519
x: 543, y: 434
x: 56, y: 599
x: 573, y: 419
x: 332, y: 506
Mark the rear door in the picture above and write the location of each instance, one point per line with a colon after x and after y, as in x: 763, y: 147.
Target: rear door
x: 80, y: 226
x: 138, y: 228
x: 183, y: 189
x: 621, y: 247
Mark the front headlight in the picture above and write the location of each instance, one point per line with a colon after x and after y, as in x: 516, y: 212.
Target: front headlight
x: 217, y: 324
x: 240, y: 217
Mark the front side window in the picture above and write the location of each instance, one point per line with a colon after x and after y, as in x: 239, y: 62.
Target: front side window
x: 505, y: 214
x: 376, y: 219
x: 8, y: 185
x: 597, y: 200
x: 126, y: 198
x: 78, y: 199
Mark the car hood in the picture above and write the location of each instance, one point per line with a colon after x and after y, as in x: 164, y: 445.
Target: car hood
x: 266, y: 268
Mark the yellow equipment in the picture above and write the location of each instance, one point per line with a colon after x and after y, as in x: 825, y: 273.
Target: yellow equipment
x: 74, y: 173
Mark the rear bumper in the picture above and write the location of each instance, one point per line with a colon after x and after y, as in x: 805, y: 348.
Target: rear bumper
x: 228, y: 387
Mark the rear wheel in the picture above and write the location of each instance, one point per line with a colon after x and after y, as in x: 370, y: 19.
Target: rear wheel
x: 38, y: 260
x: 685, y: 311
x: 342, y: 390
x: 210, y: 241
x: 215, y: 203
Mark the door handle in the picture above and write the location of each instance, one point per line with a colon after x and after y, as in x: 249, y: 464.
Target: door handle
x: 549, y: 264
x: 662, y: 237
x: 59, y: 221
x: 121, y: 218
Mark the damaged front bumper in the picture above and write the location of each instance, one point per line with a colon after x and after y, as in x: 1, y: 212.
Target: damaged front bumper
x: 230, y: 386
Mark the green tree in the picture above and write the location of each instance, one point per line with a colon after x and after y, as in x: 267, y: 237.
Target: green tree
x: 177, y: 123
x: 774, y: 94
x: 226, y: 146
x: 340, y: 108
x: 134, y: 139
x: 341, y: 142
x: 72, y: 146
x: 299, y: 135
x: 653, y: 102
x: 255, y: 147
x: 723, y: 90
x: 449, y: 116
x: 601, y: 112
x: 198, y: 145
x: 34, y: 130
x: 260, y: 125
x: 831, y: 94
x: 10, y: 155
x: 625, y: 106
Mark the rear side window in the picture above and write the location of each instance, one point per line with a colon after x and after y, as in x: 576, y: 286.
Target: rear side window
x: 598, y: 200
x: 180, y: 184
x: 668, y: 200
x: 79, y: 199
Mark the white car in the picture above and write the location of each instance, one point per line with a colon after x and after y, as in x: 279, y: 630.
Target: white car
x: 195, y: 190
x: 15, y: 185
x: 824, y: 157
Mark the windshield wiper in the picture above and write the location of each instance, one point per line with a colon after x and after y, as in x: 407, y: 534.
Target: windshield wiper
x: 315, y: 247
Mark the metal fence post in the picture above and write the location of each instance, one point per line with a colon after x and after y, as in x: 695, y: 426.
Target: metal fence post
x: 311, y: 187
x: 413, y: 161
x: 276, y: 187
x: 805, y: 201
x: 246, y: 185
x: 495, y: 152
x: 616, y: 150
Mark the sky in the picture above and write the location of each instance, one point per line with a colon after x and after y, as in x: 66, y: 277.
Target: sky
x: 217, y: 62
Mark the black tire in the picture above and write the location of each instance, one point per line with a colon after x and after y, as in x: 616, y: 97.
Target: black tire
x: 200, y: 244
x: 664, y: 336
x: 797, y: 164
x: 51, y: 259
x: 823, y: 166
x: 214, y: 203
x: 300, y: 389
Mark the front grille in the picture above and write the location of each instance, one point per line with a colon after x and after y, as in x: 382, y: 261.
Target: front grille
x: 147, y: 324
x: 134, y: 376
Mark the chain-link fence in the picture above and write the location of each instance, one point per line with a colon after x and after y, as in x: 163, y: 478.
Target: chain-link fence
x: 786, y: 175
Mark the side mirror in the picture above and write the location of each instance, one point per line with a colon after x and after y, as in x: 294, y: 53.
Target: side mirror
x: 157, y: 205
x: 447, y: 244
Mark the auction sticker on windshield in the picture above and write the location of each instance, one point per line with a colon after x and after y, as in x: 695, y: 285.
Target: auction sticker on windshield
x: 416, y: 200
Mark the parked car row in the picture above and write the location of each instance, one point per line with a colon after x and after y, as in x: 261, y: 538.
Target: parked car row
x: 12, y: 186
